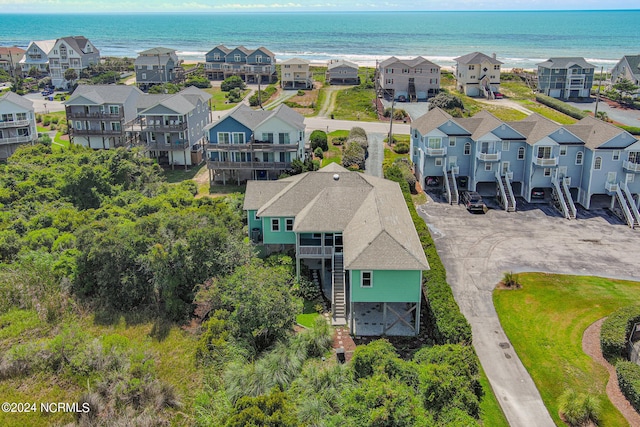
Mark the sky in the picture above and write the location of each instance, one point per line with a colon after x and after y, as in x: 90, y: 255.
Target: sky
x: 212, y: 6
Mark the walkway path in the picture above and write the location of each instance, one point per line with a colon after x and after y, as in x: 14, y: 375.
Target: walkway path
x: 373, y: 164
x: 329, y: 103
x: 591, y: 346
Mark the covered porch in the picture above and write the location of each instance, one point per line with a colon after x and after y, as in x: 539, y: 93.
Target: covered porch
x: 385, y: 318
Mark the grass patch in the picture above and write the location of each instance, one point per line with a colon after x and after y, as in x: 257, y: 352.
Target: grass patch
x: 219, y: 190
x: 218, y: 99
x: 549, y: 113
x: 334, y: 155
x: 545, y: 320
x: 179, y: 174
x: 355, y: 104
x: 308, y: 316
x: 516, y: 90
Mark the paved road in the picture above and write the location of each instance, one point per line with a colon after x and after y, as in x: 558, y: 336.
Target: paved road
x: 329, y: 125
x: 42, y: 105
x: 627, y: 117
x: 477, y: 249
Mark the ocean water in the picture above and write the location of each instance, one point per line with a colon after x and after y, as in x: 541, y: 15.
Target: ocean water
x: 519, y: 39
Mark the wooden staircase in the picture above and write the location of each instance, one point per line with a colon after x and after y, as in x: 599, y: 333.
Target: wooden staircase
x: 629, y: 209
x: 412, y: 92
x: 338, y: 300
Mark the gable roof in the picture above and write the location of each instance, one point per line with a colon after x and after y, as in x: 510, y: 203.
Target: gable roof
x: 77, y: 43
x: 17, y: 100
x: 595, y: 133
x: 251, y: 118
x: 565, y: 62
x: 295, y: 61
x: 634, y: 64
x: 476, y: 58
x: 418, y: 60
x: 431, y: 120
x: 369, y: 211
x: 535, y: 127
x: 44, y: 45
x: 11, y: 50
x: 158, y: 51
x: 263, y: 50
x: 101, y: 94
x: 341, y: 63
x: 221, y: 48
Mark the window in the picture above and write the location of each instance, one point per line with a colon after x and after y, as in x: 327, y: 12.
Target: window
x: 496, y: 67
x: 579, y: 158
x: 472, y: 77
x: 616, y: 155
x: 23, y: 132
x: 21, y: 116
x: 405, y: 71
x: 597, y: 165
x: 284, y: 138
x: 288, y: 225
x: 435, y: 143
x: 216, y: 57
x: 259, y: 59
x: 630, y: 177
x: 236, y: 57
x: 487, y: 167
x: 472, y: 67
x: 275, y: 224
x: 238, y: 138
x: 452, y: 141
x: 439, y: 161
x: 267, y: 137
x: 521, y: 153
x: 563, y: 150
x: 389, y: 81
x: 366, y: 279
x: 547, y: 171
x: 467, y: 148
x: 115, y: 126
x: 224, y: 138
x: 114, y: 109
x: 505, y: 145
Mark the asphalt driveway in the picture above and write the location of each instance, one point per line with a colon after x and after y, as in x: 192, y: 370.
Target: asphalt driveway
x: 477, y: 249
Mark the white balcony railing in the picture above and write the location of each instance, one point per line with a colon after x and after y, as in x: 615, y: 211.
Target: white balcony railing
x: 611, y: 186
x: 315, y: 251
x: 16, y: 140
x: 545, y: 162
x: 489, y: 157
x: 631, y: 167
x: 436, y: 152
x: 14, y: 123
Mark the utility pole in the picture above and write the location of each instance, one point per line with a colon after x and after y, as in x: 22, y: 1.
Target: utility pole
x: 595, y: 113
x: 259, y: 95
x: 393, y: 99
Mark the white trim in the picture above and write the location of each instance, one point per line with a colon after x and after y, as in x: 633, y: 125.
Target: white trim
x: 288, y: 224
x: 277, y: 224
x: 370, y: 279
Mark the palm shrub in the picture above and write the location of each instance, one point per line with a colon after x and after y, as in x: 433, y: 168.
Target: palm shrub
x: 578, y: 409
x: 510, y: 279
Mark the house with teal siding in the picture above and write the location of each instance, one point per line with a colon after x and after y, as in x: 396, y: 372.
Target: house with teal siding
x: 356, y: 233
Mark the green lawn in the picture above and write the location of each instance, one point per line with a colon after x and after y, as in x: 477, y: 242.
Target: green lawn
x: 355, y: 104
x: 308, y: 316
x: 549, y: 113
x: 334, y: 155
x: 179, y: 174
x: 218, y: 99
x: 545, y: 321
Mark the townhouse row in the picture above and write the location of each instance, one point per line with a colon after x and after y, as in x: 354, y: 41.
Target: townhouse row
x: 591, y: 162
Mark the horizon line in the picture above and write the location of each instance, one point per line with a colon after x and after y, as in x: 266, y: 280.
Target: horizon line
x: 303, y: 11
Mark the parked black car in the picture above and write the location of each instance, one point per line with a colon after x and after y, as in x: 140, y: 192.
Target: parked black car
x: 472, y: 201
x: 537, y: 193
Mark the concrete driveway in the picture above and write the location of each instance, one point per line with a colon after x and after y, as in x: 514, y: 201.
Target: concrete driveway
x: 477, y: 249
x: 626, y: 116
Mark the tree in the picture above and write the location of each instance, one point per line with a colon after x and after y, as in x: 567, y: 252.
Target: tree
x: 626, y: 88
x: 70, y: 75
x: 317, y: 139
x: 353, y: 156
x: 232, y: 83
x: 33, y: 71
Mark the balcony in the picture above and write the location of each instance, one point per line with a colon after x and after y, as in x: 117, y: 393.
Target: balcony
x: 164, y: 127
x: 215, y: 164
x: 611, y: 186
x: 213, y: 65
x: 436, y: 152
x: 94, y: 115
x: 545, y: 162
x: 179, y: 145
x: 631, y: 167
x: 257, y: 146
x: 315, y: 251
x: 105, y: 132
x: 489, y: 157
x: 16, y: 140
x: 14, y: 123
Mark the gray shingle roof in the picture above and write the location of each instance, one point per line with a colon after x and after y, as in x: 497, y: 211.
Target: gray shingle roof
x: 476, y: 58
x: 341, y: 63
x: 158, y: 51
x: 414, y: 62
x: 535, y: 127
x: 634, y: 64
x: 595, y: 132
x: 17, y: 100
x: 370, y: 212
x: 102, y: 94
x: 565, y: 62
x: 253, y: 118
x: 77, y: 43
x: 431, y: 120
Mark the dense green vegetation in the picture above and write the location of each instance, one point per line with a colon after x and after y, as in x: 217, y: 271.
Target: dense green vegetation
x: 556, y: 311
x: 563, y: 107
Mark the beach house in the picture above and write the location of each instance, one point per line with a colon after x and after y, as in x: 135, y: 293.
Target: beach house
x: 591, y: 162
x: 342, y: 72
x: 171, y: 127
x: 355, y: 234
x: 251, y: 65
x: 478, y: 74
x: 254, y: 144
x: 295, y: 74
x: 155, y: 66
x: 76, y: 53
x: 17, y: 123
x: 627, y: 68
x: 36, y: 58
x: 10, y: 58
x: 98, y: 115
x: 565, y: 77
x: 407, y: 79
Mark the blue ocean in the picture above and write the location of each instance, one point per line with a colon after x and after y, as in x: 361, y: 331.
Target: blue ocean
x: 519, y: 39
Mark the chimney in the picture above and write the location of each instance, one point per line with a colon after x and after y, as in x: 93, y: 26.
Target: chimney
x: 494, y: 55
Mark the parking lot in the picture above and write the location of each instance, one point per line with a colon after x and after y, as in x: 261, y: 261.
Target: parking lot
x: 477, y: 249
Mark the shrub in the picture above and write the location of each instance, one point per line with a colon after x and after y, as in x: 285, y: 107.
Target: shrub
x: 353, y: 156
x: 317, y: 139
x: 300, y: 93
x: 234, y: 95
x: 199, y: 82
x: 379, y: 355
x: 356, y: 132
x: 578, y: 409
x: 46, y: 121
x: 338, y: 140
x: 232, y: 83
x: 631, y: 129
x: 510, y: 279
x: 362, y: 142
x: 399, y: 114
x: 262, y: 95
x: 561, y: 106
x: 308, y: 290
x: 318, y: 153
x: 446, y: 101
x: 615, y: 330
x: 401, y: 148
x: 628, y: 374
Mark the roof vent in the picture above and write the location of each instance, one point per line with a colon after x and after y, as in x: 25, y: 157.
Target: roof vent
x: 336, y: 177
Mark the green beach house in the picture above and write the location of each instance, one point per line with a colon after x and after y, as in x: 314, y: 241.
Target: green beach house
x: 355, y: 234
